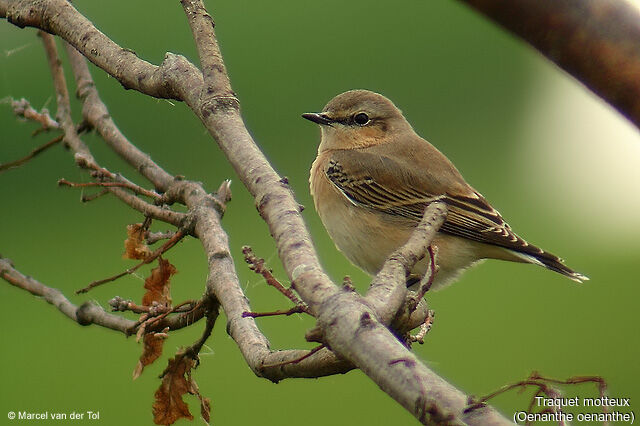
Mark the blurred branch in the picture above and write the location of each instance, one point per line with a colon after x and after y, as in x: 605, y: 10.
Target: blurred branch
x: 22, y: 108
x: 596, y: 41
x: 33, y: 153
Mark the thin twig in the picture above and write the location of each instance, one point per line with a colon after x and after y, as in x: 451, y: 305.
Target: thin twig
x: 212, y: 309
x: 96, y: 113
x: 602, y: 384
x: 89, y: 313
x: 32, y: 154
x: 23, y: 108
x: 119, y: 304
x: 297, y: 360
x: 82, y: 154
x: 152, y: 317
x: 576, y: 380
x: 154, y: 237
x: 425, y: 327
x: 166, y: 246
x: 256, y: 264
x: 90, y: 197
x: 542, y: 383
x: 298, y: 309
x: 127, y: 185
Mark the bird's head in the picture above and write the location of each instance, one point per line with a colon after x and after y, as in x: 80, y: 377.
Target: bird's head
x: 357, y: 119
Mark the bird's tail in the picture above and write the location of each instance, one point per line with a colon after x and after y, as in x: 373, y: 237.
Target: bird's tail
x: 549, y: 261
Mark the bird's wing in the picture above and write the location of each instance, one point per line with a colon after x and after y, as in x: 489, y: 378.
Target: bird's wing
x: 401, y: 188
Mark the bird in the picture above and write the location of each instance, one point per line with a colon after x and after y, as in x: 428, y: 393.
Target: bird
x: 373, y: 178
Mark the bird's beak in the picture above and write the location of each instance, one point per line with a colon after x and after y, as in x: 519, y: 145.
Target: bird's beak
x: 318, y: 118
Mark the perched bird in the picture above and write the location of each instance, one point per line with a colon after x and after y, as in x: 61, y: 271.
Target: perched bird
x: 373, y: 178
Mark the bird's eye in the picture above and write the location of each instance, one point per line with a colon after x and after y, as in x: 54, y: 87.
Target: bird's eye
x: 361, y: 118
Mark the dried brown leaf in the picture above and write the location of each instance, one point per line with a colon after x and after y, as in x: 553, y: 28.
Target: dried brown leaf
x: 205, y: 403
x: 158, y: 284
x: 205, y: 408
x: 176, y: 381
x: 151, y: 351
x: 134, y: 245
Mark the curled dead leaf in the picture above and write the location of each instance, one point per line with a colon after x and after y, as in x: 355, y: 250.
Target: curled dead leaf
x: 177, y: 381
x: 135, y: 246
x: 151, y: 351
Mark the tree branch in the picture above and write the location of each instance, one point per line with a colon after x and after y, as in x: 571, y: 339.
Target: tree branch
x: 61, y: 18
x: 88, y: 313
x: 23, y: 108
x: 33, y: 153
x: 388, y: 290
x: 596, y: 41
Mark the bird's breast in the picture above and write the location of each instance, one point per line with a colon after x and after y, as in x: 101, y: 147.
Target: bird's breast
x: 364, y: 236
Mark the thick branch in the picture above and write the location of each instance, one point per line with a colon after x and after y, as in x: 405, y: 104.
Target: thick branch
x: 61, y: 18
x: 220, y: 114
x: 596, y: 41
x: 216, y: 81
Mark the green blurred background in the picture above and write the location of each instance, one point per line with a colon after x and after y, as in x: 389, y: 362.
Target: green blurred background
x: 560, y: 165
